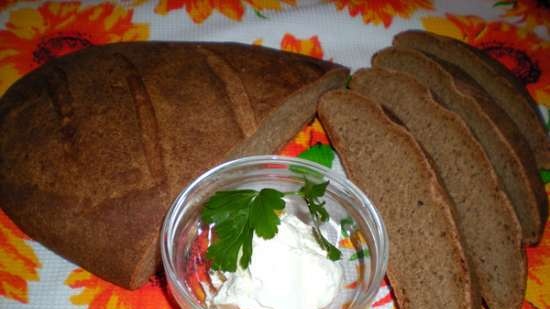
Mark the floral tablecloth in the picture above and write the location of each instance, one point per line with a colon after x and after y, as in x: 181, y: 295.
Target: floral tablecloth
x: 517, y: 33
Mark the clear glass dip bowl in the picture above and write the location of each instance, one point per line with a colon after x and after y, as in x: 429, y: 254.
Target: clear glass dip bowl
x: 363, y: 239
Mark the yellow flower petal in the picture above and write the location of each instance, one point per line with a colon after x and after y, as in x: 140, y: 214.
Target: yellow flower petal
x: 4, y: 53
x: 136, y: 33
x: 12, y: 264
x: 54, y: 7
x: 443, y: 26
x: 116, y: 15
x: 537, y: 293
x: 26, y: 23
x: 76, y: 276
x: 303, y: 138
x: 114, y: 303
x: 86, y: 296
x: 14, y: 292
x: 8, y: 75
x: 265, y: 4
x: 162, y: 7
x: 66, y: 22
x: 96, y: 13
x: 18, y: 263
x: 69, y: 9
x: 542, y: 96
x: 316, y: 126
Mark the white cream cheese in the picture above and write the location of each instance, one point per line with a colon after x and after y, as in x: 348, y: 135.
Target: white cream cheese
x: 289, y: 271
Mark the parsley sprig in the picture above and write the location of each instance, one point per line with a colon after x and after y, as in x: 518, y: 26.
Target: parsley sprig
x: 238, y: 214
x: 312, y: 193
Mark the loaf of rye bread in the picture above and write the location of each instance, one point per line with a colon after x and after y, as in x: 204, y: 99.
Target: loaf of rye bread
x: 385, y: 161
x: 494, y: 78
x: 508, y: 151
x: 94, y: 146
x: 485, y: 217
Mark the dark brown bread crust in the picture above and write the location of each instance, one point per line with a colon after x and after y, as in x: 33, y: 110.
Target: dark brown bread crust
x: 94, y: 146
x: 499, y: 83
x: 497, y: 133
x: 486, y: 219
x: 384, y: 160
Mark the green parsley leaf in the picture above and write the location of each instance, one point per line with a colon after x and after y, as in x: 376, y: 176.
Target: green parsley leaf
x: 312, y: 192
x: 223, y: 204
x: 263, y: 217
x: 346, y: 226
x: 247, y: 250
x: 237, y: 215
x: 319, y: 211
x: 361, y: 254
x: 320, y: 153
x: 332, y: 252
x: 232, y: 234
x: 545, y: 176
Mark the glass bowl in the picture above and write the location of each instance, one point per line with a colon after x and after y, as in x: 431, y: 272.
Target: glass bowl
x: 355, y: 226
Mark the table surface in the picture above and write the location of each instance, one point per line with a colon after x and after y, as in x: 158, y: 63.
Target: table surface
x: 343, y: 31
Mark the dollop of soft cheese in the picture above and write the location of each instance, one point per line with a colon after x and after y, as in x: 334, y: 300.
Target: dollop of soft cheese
x: 289, y: 271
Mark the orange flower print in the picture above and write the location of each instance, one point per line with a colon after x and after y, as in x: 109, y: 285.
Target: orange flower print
x: 196, y: 270
x: 310, y: 135
x: 530, y: 12
x: 99, y: 294
x: 527, y: 305
x: 18, y: 263
x: 34, y: 36
x: 382, y: 11
x: 521, y: 51
x: 309, y: 47
x: 200, y: 10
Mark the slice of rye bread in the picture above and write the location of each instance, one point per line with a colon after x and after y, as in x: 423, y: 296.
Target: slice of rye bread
x: 485, y: 217
x: 514, y: 163
x: 95, y: 145
x: 385, y: 161
x: 510, y: 130
x: 500, y: 84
